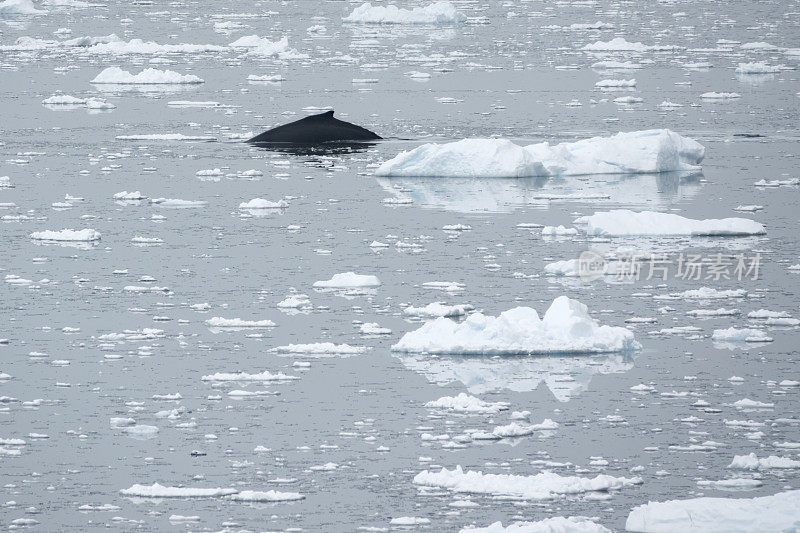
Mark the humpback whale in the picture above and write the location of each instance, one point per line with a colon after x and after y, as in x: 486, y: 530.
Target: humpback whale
x: 314, y: 130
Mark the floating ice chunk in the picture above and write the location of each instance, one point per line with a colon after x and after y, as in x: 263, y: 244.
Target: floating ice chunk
x: 320, y: 349
x: 141, y: 431
x: 542, y: 486
x: 175, y: 202
x: 740, y: 335
x: 779, y: 512
x: 409, y: 521
x: 373, y: 328
x: 437, y: 309
x: 713, y: 312
x: 295, y: 301
x: 557, y: 524
x: 68, y: 235
x: 732, y: 484
x: 267, y: 77
x: 219, y: 322
x: 243, y: 376
x: 150, y: 76
x: 557, y: 231
x: 157, y: 490
x: 607, y: 84
x: 759, y: 67
x: 268, y: 496
x: 435, y: 13
x: 720, y: 96
x: 628, y: 100
x: 520, y: 430
x: 759, y: 45
x: 114, y: 46
x: 64, y: 99
x: 348, y: 280
x: 19, y: 7
x: 565, y: 328
x: 260, y: 203
x: 262, y: 47
x: 464, y: 403
x: 616, y: 44
x: 649, y: 151
x: 621, y: 222
x: 747, y: 403
x: 764, y: 313
x: 752, y: 462
x: 164, y: 137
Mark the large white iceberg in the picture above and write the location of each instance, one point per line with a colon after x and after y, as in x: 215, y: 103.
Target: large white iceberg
x: 780, y: 512
x: 541, y: 486
x: 435, y: 13
x: 649, y: 151
x: 626, y: 222
x: 565, y: 328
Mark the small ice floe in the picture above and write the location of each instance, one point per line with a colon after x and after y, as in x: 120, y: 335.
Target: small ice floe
x: 178, y: 203
x: 616, y: 84
x: 572, y: 524
x: 622, y: 222
x: 196, y: 104
x: 441, y: 12
x: 125, y: 196
x: 437, y: 309
x: 759, y: 45
x: 319, y: 349
x: 759, y: 67
x: 269, y: 78
x: 156, y: 490
x: 373, y: 328
x: 777, y: 183
x: 348, y: 280
x: 514, y: 429
x: 542, y: 486
x: 767, y: 314
x: 5, y: 182
x: 265, y: 496
x: 260, y: 203
x: 752, y: 462
x: 67, y: 235
x: 617, y: 44
x: 740, y: 335
x: 327, y: 467
x: 720, y: 96
x: 747, y: 403
x: 146, y: 241
x: 704, y: 293
x: 164, y: 137
x: 448, y: 286
x: 558, y: 231
x: 141, y: 431
x: 737, y: 483
x: 409, y: 521
x: 649, y: 151
x: 65, y: 101
x: 219, y: 322
x: 628, y: 100
x: 708, y: 313
x: 243, y: 376
x: 778, y: 512
x: 150, y: 76
x: 417, y: 75
x: 565, y: 328
x: 255, y: 46
x: 464, y: 403
x: 295, y: 302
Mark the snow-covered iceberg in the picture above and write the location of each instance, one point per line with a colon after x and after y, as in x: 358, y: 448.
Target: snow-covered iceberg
x: 435, y: 13
x: 640, y: 152
x: 779, y: 512
x: 627, y: 222
x: 565, y: 328
x: 541, y: 486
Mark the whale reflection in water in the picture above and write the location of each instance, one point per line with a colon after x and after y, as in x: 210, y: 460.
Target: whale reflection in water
x: 499, y: 195
x: 565, y: 376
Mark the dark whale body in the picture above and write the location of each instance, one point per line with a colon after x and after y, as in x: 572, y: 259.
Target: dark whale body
x: 314, y: 130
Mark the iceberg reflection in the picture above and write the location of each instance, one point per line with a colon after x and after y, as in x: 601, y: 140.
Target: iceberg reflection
x: 565, y: 376
x: 498, y: 195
